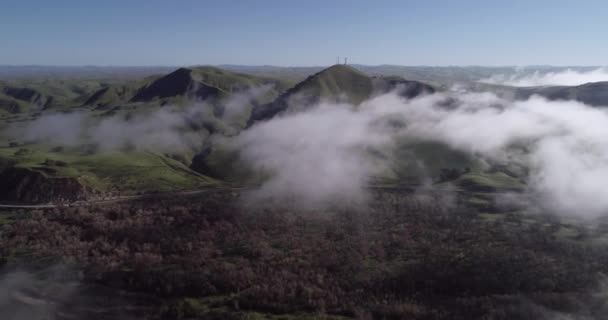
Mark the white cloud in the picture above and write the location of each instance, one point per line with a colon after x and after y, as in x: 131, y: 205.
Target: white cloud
x: 567, y: 77
x: 320, y: 155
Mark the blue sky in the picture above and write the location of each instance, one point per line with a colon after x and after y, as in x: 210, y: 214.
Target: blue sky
x: 269, y: 32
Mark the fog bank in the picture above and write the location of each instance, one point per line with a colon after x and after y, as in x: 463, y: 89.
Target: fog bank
x: 327, y: 152
x: 567, y: 77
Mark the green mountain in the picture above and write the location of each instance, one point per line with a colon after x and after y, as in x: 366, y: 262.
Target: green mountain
x: 178, y: 83
x: 84, y: 171
x: 232, y: 100
x: 202, y: 83
x: 338, y: 83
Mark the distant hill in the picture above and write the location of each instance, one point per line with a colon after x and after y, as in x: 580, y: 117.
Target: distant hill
x: 338, y: 83
x: 24, y: 96
x: 110, y: 95
x: 193, y: 83
x: 594, y: 94
x: 79, y: 72
x: 232, y: 100
x: 177, y: 83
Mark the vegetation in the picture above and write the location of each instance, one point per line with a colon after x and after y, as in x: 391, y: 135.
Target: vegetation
x: 446, y: 252
x: 338, y: 83
x: 106, y: 172
x: 404, y: 256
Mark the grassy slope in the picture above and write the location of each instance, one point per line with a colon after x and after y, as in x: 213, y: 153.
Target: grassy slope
x: 232, y: 81
x: 120, y: 171
x: 485, y: 180
x: 336, y: 81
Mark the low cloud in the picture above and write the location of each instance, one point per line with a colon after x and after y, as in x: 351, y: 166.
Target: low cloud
x: 26, y: 295
x: 330, y: 152
x: 165, y: 130
x: 171, y: 129
x: 567, y: 77
x: 314, y: 156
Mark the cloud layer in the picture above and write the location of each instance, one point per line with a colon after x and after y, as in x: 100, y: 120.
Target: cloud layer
x: 171, y: 129
x: 324, y: 154
x: 329, y: 153
x: 567, y: 77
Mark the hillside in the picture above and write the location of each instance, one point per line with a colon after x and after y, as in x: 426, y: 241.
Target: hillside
x: 232, y: 100
x: 594, y: 94
x: 165, y: 106
x: 26, y: 96
x: 109, y: 96
x: 338, y: 83
x: 177, y: 83
x: 42, y: 173
x: 202, y: 83
x: 179, y: 86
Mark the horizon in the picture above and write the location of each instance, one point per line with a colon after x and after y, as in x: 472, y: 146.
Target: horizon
x: 298, y: 66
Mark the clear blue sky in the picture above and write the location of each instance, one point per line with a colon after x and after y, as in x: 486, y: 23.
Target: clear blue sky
x: 309, y: 32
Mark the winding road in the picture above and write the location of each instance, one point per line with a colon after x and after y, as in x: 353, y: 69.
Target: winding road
x: 383, y: 188
x: 122, y: 198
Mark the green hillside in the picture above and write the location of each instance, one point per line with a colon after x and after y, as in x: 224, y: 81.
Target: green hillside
x: 203, y: 83
x: 108, y: 96
x: 338, y: 83
x: 102, y: 172
x: 231, y: 101
x: 29, y: 167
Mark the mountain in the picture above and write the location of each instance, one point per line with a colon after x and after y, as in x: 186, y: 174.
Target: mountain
x: 177, y: 83
x: 202, y: 83
x: 85, y: 170
x: 179, y: 86
x: 338, y: 83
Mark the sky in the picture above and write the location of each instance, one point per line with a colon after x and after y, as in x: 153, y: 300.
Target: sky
x: 302, y: 33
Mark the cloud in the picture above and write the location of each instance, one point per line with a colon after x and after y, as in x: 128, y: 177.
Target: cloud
x: 62, y: 128
x: 171, y: 129
x: 25, y: 295
x: 315, y: 156
x: 323, y: 155
x: 165, y: 130
x: 567, y: 77
x: 330, y: 153
x: 238, y: 107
